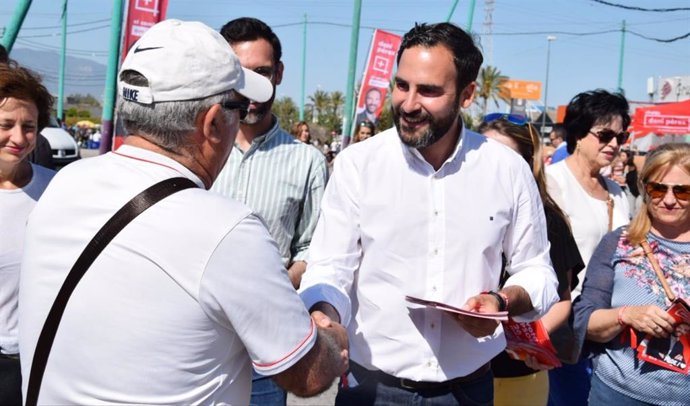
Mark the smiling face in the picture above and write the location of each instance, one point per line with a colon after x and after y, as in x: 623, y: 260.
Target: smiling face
x: 373, y: 100
x: 669, y: 213
x: 18, y: 130
x: 593, y: 150
x: 426, y: 104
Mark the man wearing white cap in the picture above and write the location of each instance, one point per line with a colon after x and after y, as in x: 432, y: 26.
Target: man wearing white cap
x: 191, y: 293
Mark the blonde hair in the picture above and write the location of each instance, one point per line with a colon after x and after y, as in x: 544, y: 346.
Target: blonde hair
x: 656, y: 166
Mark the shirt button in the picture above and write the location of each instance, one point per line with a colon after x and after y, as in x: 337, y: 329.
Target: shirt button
x: 433, y: 288
x: 435, y: 251
x: 435, y: 212
x: 433, y: 325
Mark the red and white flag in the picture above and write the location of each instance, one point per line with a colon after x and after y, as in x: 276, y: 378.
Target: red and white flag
x: 377, y: 76
x: 142, y: 15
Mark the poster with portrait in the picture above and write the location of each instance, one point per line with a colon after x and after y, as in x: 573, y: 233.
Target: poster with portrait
x: 377, y: 76
x: 672, y: 352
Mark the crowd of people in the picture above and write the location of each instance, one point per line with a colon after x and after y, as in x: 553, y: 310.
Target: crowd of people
x: 220, y: 258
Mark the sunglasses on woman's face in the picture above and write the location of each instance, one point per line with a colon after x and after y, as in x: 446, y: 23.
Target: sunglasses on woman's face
x: 606, y: 135
x: 658, y: 190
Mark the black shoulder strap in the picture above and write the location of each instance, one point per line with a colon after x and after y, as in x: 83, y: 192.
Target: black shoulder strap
x: 117, y: 222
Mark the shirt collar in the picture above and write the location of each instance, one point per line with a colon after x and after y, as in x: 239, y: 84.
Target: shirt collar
x: 146, y: 155
x: 415, y: 154
x: 262, y: 139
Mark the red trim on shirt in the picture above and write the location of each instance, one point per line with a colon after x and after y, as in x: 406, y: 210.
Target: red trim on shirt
x: 291, y: 353
x: 145, y: 160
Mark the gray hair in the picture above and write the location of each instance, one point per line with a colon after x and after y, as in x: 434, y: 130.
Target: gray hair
x: 166, y: 124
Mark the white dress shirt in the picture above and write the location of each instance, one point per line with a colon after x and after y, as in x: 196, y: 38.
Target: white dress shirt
x: 392, y: 226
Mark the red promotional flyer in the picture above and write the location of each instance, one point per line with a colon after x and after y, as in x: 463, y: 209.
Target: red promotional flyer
x: 672, y: 352
x: 377, y: 76
x: 452, y: 309
x: 530, y: 339
x: 141, y: 15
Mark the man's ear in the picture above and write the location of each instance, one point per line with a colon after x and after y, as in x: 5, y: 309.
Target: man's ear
x: 211, y: 123
x: 467, y: 95
x: 279, y: 72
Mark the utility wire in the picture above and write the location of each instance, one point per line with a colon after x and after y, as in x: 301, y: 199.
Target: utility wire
x: 71, y: 32
x: 660, y: 40
x: 655, y: 10
x: 69, y: 25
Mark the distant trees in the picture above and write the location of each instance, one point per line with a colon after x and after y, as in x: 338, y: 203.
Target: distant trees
x: 490, y: 87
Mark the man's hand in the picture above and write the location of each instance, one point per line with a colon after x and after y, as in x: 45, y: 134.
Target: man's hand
x: 475, y: 326
x: 327, y: 360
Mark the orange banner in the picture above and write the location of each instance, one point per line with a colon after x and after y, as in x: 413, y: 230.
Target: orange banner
x: 377, y: 76
x: 142, y: 15
x: 523, y: 89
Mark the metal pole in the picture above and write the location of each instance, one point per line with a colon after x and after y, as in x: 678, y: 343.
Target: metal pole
x: 452, y: 10
x: 61, y: 74
x: 111, y: 78
x: 350, y: 87
x: 304, y: 67
x: 15, y: 24
x: 620, y: 61
x: 470, y: 16
x: 546, y: 83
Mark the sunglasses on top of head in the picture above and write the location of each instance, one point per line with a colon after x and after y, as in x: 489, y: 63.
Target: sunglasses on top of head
x: 605, y: 136
x: 657, y: 190
x: 241, y: 106
x: 511, y: 118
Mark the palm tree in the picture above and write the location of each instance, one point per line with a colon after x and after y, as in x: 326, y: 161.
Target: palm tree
x: 321, y: 100
x: 490, y: 87
x: 337, y: 103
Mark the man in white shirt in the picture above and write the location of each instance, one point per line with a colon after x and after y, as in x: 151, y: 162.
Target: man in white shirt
x: 191, y: 294
x: 427, y: 209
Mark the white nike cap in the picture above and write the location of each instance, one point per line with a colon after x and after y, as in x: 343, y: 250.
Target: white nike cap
x: 187, y: 60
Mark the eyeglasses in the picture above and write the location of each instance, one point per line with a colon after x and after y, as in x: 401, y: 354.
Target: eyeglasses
x: 265, y: 72
x: 511, y: 118
x: 606, y: 135
x: 241, y: 106
x: 658, y: 190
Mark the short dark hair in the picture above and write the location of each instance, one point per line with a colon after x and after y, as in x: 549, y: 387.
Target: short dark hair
x: 466, y: 55
x: 252, y: 29
x: 4, y: 56
x: 587, y: 109
x: 20, y: 83
x: 558, y: 130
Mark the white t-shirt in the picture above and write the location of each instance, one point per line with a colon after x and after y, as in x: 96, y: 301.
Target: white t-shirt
x: 173, y: 309
x: 15, y: 206
x: 589, y: 218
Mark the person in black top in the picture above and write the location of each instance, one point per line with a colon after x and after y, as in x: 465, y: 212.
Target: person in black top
x: 518, y: 134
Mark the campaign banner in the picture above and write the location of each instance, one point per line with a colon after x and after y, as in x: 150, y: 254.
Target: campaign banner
x: 141, y: 15
x: 377, y: 76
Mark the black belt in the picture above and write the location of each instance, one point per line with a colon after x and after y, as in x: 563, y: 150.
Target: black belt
x: 408, y: 384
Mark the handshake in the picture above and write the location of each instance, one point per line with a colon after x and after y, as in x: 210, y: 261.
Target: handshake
x: 327, y: 360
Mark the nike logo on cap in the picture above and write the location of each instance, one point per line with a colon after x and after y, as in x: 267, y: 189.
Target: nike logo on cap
x: 140, y: 49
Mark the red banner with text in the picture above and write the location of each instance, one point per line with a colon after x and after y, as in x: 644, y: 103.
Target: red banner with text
x: 377, y: 76
x: 142, y: 15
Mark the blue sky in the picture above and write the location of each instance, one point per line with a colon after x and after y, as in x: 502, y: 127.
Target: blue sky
x: 518, y: 46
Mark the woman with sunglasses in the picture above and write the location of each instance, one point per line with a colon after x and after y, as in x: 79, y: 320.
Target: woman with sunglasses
x: 623, y: 299
x: 516, y: 383
x: 595, y: 124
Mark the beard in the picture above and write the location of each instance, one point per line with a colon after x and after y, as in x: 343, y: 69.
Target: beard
x: 256, y: 115
x: 423, y: 137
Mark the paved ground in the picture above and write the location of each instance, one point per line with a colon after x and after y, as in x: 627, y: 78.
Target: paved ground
x: 325, y: 399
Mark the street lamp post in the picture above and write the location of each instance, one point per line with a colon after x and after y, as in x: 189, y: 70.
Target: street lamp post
x: 549, y: 39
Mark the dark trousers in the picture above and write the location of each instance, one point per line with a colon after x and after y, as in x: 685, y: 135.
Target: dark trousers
x: 265, y: 392
x: 10, y: 381
x: 370, y: 391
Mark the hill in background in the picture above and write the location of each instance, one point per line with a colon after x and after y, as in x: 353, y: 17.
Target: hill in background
x: 82, y: 76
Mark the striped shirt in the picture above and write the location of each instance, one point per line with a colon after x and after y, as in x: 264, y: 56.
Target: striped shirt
x: 282, y: 180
